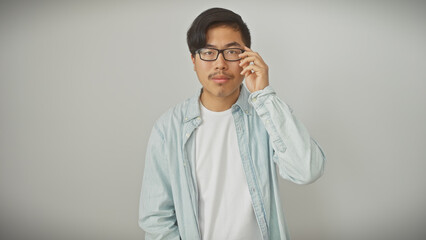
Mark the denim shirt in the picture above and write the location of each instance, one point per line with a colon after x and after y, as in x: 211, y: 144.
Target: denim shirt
x: 269, y: 136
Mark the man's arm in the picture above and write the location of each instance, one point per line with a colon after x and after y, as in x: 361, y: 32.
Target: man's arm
x: 156, y: 208
x: 298, y: 156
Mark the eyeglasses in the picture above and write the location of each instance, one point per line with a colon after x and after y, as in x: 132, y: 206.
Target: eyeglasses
x: 211, y: 54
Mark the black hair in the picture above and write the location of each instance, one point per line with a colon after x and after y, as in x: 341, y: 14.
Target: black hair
x: 196, y: 35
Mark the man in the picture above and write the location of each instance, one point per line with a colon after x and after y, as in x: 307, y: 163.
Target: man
x: 210, y: 168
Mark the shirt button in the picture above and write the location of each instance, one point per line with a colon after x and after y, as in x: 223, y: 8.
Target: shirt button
x: 187, y: 135
x: 254, y: 99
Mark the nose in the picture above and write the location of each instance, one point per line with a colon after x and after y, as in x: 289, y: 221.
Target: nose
x: 221, y: 63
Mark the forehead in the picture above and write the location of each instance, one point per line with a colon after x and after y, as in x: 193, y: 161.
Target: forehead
x: 223, y: 35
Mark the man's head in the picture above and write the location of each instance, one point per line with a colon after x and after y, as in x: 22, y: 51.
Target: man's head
x: 196, y: 35
x: 218, y: 29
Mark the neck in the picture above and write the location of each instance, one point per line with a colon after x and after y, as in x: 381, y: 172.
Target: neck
x: 218, y: 104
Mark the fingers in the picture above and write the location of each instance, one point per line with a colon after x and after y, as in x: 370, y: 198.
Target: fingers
x: 249, y: 52
x: 255, y: 70
x: 252, y: 62
x: 247, y: 60
x: 251, y: 68
x: 250, y: 56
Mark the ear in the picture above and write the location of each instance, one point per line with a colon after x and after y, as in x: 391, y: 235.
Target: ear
x: 193, y: 60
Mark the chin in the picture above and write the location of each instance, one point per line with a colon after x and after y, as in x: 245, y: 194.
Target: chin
x: 226, y: 93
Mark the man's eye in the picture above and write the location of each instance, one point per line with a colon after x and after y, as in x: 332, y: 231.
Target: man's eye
x: 208, y: 53
x: 233, y: 51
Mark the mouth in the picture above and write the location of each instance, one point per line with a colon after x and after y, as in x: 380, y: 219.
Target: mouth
x: 220, y: 79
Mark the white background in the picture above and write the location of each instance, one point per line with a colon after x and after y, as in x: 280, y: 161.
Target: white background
x: 81, y: 84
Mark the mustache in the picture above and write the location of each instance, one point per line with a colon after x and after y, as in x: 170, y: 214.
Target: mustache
x: 220, y: 73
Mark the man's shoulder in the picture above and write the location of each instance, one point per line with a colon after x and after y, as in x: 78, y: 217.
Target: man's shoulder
x: 175, y: 115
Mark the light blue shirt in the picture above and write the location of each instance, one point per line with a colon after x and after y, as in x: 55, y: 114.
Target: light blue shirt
x: 269, y: 136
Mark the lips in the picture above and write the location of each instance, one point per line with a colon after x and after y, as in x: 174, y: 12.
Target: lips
x: 220, y: 79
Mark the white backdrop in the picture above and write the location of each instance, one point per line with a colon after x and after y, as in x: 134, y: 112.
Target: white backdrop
x: 81, y: 84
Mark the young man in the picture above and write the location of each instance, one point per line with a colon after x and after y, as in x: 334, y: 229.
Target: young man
x: 210, y: 168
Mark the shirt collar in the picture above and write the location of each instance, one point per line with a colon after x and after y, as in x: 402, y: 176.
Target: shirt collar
x: 242, y: 101
x: 193, y: 110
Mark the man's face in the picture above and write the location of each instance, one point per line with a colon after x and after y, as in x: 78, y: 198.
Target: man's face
x: 220, y: 78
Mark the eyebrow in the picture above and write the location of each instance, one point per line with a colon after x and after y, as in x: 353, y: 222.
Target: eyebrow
x: 231, y: 44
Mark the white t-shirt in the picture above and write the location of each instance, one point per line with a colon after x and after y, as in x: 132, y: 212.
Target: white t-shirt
x: 225, y: 207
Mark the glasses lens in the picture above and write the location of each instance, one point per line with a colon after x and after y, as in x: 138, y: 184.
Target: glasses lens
x: 211, y: 54
x: 208, y: 54
x: 231, y: 54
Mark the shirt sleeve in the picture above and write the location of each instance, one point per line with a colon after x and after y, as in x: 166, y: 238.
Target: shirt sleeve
x: 299, y: 157
x: 156, y: 208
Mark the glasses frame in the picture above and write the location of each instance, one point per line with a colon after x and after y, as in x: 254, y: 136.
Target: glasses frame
x: 219, y: 51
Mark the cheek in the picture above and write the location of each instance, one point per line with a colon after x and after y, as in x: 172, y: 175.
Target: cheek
x: 237, y: 68
x: 202, y: 70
